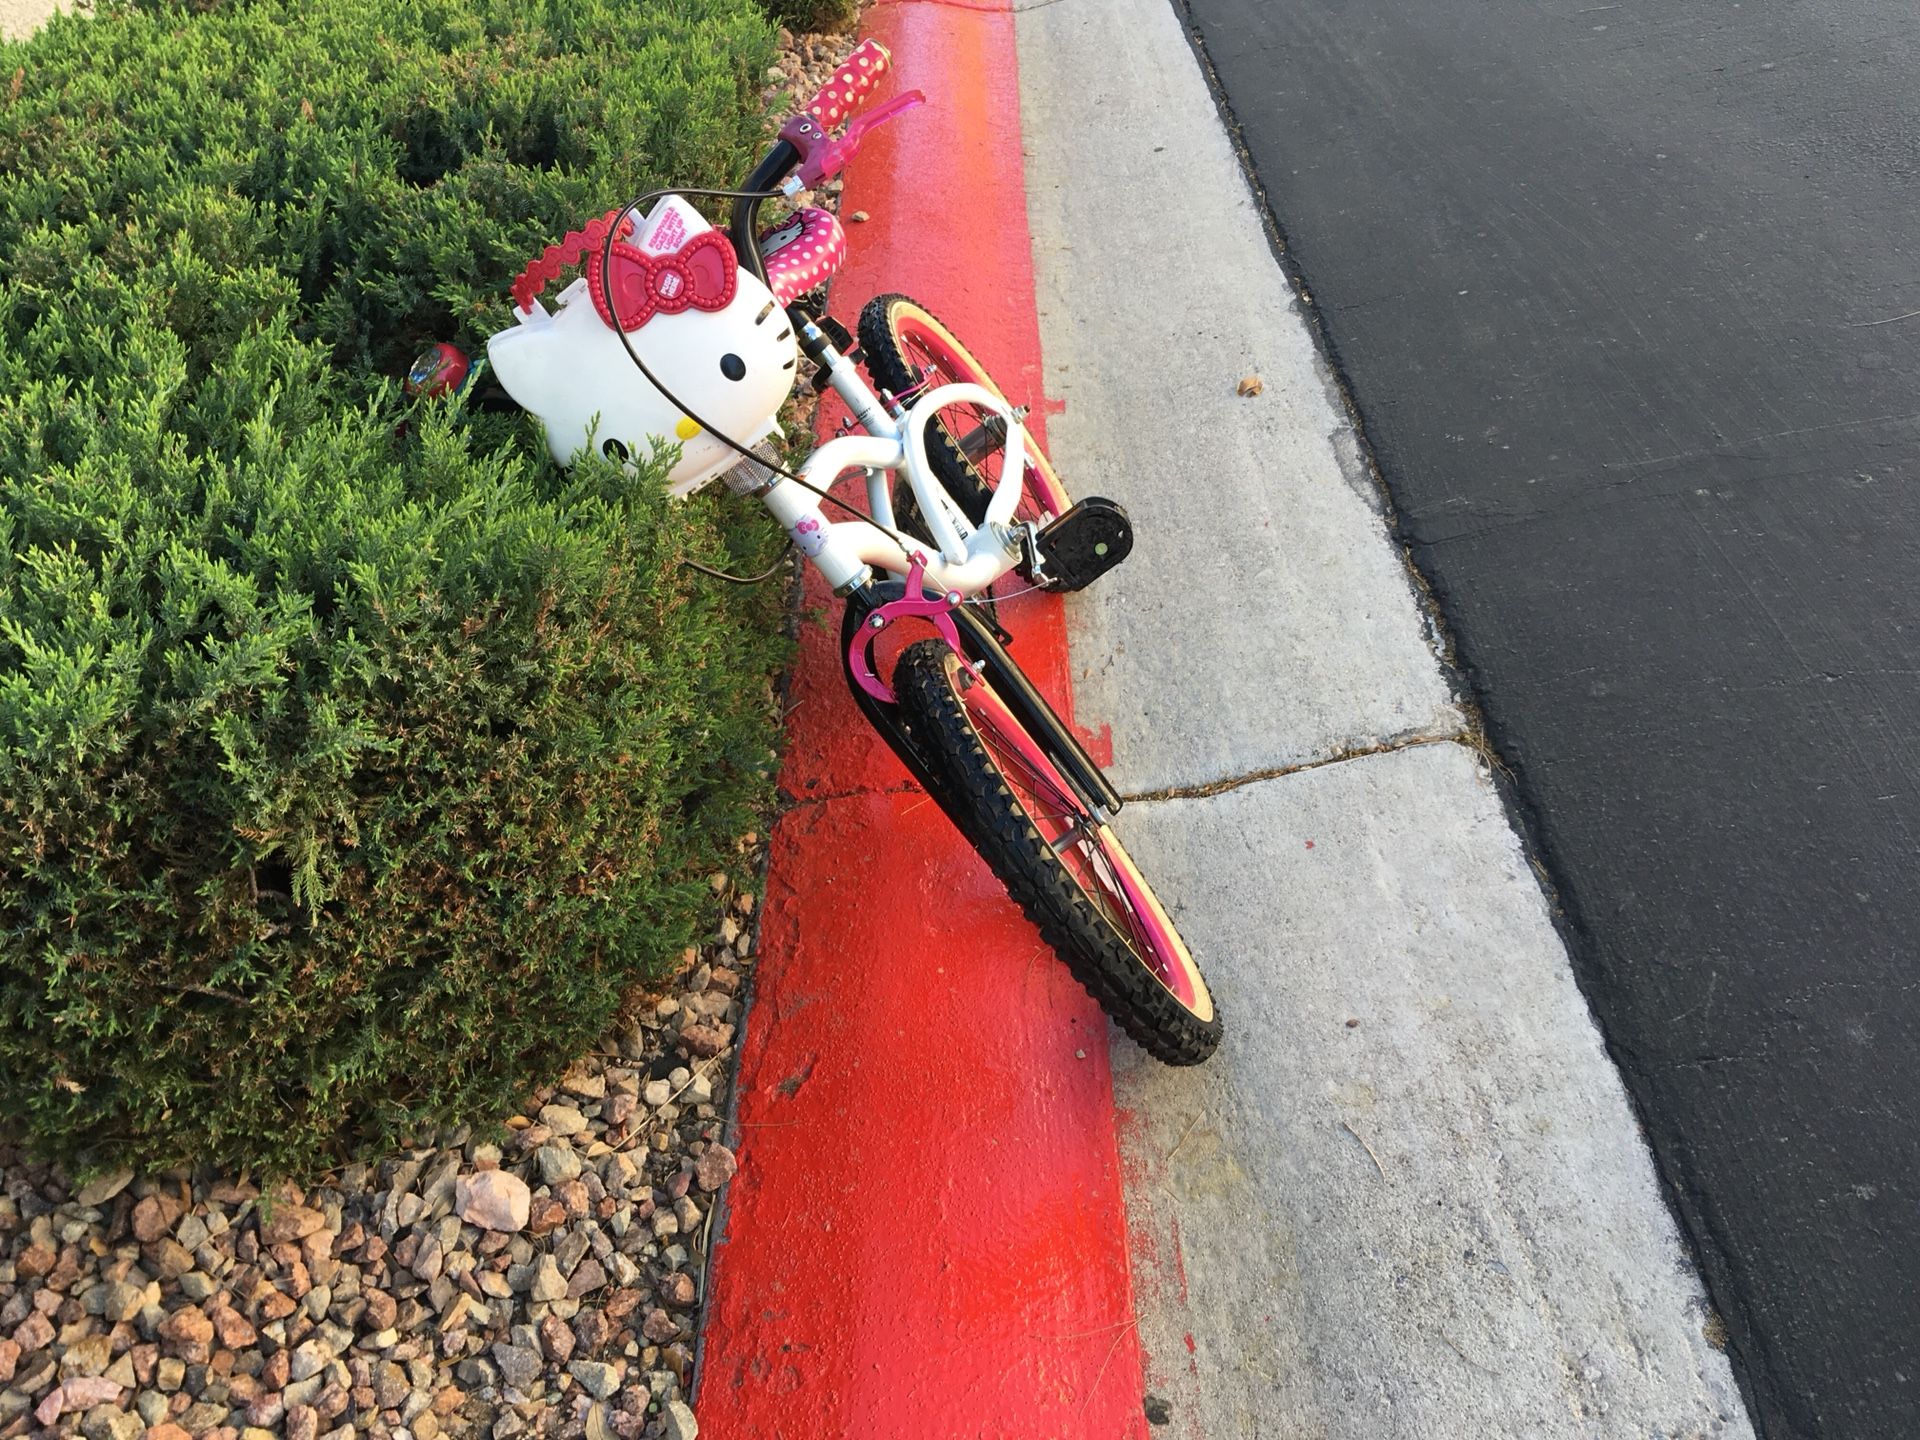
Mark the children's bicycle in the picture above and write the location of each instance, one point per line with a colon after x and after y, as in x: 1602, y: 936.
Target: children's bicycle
x: 959, y: 497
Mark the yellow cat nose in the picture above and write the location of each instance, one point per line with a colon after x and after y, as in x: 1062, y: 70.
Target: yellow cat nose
x: 686, y: 429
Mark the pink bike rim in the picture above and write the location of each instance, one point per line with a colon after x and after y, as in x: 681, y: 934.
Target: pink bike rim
x: 1105, y: 872
x: 929, y: 344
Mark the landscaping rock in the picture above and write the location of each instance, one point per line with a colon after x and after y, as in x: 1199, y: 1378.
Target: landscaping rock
x: 290, y: 1222
x: 88, y: 1355
x: 75, y: 1395
x: 98, y: 1191
x: 188, y: 1334
x: 546, y: 1281
x: 232, y: 1328
x: 115, y: 1301
x: 34, y: 1333
x: 154, y: 1215
x: 599, y: 1380
x: 519, y: 1365
x: 715, y: 1167
x: 585, y: 1280
x: 546, y: 1214
x: 556, y: 1340
x: 381, y: 1312
x: 169, y: 1258
x: 493, y: 1200
x: 659, y: 1327
x: 558, y: 1163
x: 310, y: 1359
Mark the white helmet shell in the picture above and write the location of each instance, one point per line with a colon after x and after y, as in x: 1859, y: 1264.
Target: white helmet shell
x: 733, y: 367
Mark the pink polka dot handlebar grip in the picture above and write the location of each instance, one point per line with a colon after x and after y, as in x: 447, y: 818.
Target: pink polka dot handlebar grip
x: 851, y: 86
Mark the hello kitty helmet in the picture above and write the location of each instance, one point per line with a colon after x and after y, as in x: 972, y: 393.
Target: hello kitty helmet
x: 708, y: 328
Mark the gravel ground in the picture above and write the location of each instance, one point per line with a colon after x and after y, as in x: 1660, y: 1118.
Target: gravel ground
x: 549, y: 1283
x: 545, y: 1285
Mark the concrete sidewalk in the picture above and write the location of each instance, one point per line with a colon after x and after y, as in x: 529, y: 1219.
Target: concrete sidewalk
x: 20, y: 18
x: 1407, y: 1197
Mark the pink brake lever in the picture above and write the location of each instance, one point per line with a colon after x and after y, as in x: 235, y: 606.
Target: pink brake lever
x: 822, y: 162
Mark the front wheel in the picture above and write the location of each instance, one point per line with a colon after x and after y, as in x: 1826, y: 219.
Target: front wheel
x: 1058, y: 860
x: 907, y: 351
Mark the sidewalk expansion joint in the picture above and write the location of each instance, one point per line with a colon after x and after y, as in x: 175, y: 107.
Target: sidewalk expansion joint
x: 1466, y: 738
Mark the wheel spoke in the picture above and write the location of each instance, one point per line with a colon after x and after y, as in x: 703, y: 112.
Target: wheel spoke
x: 1066, y: 828
x: 1004, y: 754
x: 1114, y: 888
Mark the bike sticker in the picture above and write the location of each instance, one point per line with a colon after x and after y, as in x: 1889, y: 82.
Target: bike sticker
x: 811, y: 536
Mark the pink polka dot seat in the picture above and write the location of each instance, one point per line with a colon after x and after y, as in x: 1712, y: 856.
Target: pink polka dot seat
x: 801, y: 252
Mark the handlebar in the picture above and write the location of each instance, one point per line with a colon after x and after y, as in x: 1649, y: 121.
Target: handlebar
x: 804, y: 144
x: 850, y: 86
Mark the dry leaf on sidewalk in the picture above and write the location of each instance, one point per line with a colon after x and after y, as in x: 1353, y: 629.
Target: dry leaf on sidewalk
x: 1251, y: 385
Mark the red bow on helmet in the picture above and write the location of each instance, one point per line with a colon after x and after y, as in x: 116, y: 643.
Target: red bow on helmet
x: 701, y: 274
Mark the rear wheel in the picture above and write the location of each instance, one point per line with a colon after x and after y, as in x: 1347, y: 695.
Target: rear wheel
x: 1062, y: 865
x: 908, y: 351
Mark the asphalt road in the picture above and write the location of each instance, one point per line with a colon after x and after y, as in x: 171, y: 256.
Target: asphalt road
x: 1625, y: 295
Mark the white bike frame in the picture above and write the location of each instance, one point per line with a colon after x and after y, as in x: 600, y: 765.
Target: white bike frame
x: 967, y: 559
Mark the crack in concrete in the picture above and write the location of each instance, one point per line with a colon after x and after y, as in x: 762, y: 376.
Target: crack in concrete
x: 1464, y: 737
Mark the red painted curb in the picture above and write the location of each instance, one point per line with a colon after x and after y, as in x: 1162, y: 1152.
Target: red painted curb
x: 926, y: 1238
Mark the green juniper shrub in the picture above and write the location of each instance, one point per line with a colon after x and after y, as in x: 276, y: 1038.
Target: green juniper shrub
x: 353, y: 759
x: 815, y: 16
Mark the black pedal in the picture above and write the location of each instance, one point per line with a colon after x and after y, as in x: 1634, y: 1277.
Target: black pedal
x: 1085, y: 543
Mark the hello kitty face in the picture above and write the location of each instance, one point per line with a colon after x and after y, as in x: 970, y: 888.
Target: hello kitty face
x: 782, y: 234
x: 732, y: 363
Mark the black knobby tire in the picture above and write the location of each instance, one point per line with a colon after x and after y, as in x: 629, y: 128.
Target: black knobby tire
x: 887, y: 352
x: 1079, y: 931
